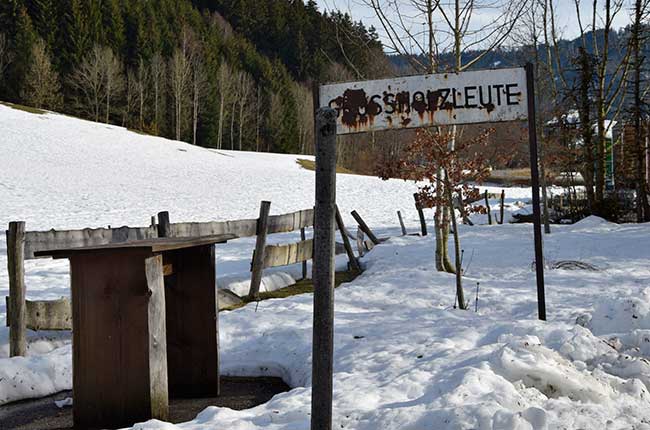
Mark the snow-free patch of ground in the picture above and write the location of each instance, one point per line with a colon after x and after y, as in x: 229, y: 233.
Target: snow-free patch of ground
x: 404, y: 357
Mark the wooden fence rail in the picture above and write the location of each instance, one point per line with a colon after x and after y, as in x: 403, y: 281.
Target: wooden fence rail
x: 25, y: 314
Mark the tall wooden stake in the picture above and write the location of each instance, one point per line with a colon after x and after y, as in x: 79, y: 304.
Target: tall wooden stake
x: 354, y: 264
x: 401, y: 223
x: 534, y: 173
x: 16, y: 267
x: 323, y: 270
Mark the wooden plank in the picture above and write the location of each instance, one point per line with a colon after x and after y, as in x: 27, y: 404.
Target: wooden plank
x: 354, y: 264
x: 240, y: 228
x: 192, y: 323
x: 110, y: 359
x: 45, y: 314
x: 168, y: 270
x: 291, y: 221
x: 149, y: 245
x: 16, y: 269
x: 36, y: 241
x: 257, y: 265
x: 158, y: 390
x: 363, y: 226
x: 284, y: 255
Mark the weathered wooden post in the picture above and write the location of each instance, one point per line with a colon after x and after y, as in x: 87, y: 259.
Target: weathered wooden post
x: 487, y: 206
x: 354, y: 264
x: 164, y: 226
x: 153, y: 220
x: 423, y: 221
x: 16, y: 268
x: 401, y: 223
x: 363, y: 226
x: 258, y: 256
x: 323, y: 270
x: 361, y: 246
x: 503, y: 198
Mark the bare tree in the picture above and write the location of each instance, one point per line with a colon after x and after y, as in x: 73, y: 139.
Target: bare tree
x: 180, y: 71
x: 199, y: 87
x: 158, y: 70
x: 88, y: 80
x: 5, y: 54
x: 131, y: 96
x: 113, y: 77
x: 42, y: 88
x: 142, y: 84
x: 244, y: 102
x: 224, y: 80
x: 639, y: 38
x: 304, y: 113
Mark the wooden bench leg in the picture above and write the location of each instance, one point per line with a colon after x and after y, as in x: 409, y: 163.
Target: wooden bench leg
x: 192, y: 323
x: 119, y: 348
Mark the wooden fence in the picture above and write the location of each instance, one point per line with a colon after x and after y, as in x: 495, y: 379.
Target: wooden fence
x: 57, y: 314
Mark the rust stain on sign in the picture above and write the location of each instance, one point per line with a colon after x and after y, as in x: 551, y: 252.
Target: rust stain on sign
x: 428, y: 100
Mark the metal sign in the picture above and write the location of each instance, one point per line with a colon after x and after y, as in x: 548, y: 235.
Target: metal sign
x: 422, y: 101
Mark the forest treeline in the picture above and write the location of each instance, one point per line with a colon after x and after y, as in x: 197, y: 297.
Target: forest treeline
x: 178, y: 68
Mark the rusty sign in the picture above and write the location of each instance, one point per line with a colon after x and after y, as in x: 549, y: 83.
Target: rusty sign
x: 421, y: 101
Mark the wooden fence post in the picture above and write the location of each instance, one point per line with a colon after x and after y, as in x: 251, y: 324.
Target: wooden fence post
x: 16, y: 268
x: 323, y: 272
x: 354, y: 264
x: 401, y: 223
x: 503, y: 198
x: 360, y: 242
x: 303, y: 236
x: 153, y: 220
x: 423, y: 221
x: 363, y: 226
x: 487, y: 205
x: 257, y: 265
x: 164, y: 226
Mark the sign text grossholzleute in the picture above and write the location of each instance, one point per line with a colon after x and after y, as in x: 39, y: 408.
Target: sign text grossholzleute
x: 422, y: 101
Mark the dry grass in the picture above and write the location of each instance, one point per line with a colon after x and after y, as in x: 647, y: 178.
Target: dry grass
x: 24, y: 108
x: 311, y: 165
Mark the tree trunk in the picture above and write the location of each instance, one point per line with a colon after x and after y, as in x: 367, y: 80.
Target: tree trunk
x: 458, y: 269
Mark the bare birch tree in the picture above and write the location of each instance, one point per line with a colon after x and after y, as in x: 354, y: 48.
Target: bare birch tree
x: 180, y: 71
x: 113, y: 77
x: 42, y: 88
x: 88, y: 80
x: 224, y: 81
x: 199, y: 87
x: 244, y: 103
x: 158, y: 70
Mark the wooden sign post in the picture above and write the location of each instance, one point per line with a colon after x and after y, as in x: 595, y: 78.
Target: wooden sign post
x: 323, y: 270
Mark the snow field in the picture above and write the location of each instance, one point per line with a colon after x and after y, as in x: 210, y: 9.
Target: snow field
x: 404, y: 358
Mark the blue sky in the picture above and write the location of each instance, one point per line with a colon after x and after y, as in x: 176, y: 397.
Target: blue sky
x: 565, y: 12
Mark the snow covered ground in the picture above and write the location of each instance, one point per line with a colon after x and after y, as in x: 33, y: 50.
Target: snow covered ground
x: 404, y: 357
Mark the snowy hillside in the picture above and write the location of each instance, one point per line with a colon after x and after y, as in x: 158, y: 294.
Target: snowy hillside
x: 404, y: 357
